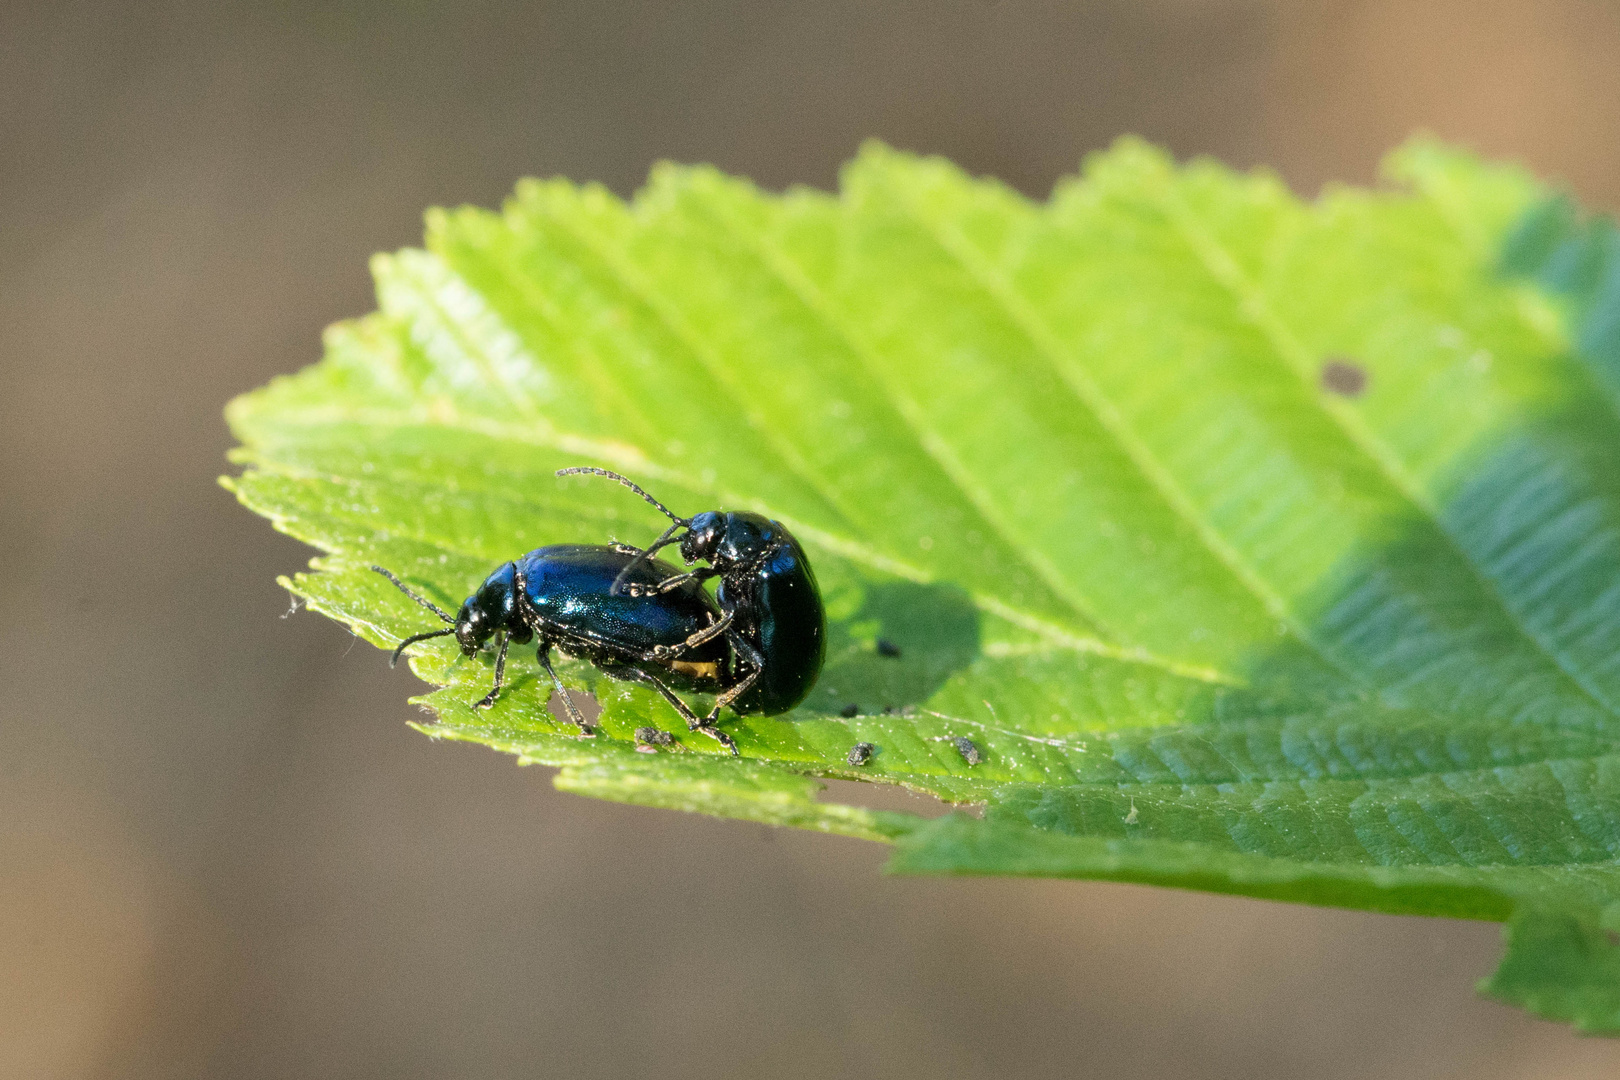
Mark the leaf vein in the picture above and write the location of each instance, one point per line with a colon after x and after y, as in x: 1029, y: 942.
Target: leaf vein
x: 1224, y: 270
x: 1096, y: 402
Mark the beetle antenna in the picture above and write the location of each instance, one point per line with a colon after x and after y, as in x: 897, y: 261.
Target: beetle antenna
x: 627, y: 482
x: 413, y: 639
x: 424, y: 601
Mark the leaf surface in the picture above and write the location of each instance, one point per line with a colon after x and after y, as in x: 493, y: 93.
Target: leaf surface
x: 1259, y: 546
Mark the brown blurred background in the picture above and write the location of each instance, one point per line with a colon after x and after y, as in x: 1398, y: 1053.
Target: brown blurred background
x: 223, y: 854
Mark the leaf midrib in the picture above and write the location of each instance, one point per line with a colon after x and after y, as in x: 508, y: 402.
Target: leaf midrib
x: 1056, y: 636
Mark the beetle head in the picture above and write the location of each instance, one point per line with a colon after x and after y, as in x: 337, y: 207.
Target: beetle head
x: 703, y: 536
x: 473, y: 626
x: 487, y: 610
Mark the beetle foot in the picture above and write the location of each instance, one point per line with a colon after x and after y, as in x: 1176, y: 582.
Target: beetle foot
x: 487, y: 700
x: 713, y: 731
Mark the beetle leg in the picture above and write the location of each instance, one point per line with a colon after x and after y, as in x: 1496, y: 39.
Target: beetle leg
x: 702, y: 573
x: 630, y: 673
x: 739, y: 645
x: 544, y: 656
x: 500, y: 670
x: 707, y: 725
x: 645, y: 554
x: 713, y: 731
x: 665, y: 652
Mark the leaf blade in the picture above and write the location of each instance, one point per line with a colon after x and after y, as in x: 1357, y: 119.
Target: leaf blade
x: 1256, y: 546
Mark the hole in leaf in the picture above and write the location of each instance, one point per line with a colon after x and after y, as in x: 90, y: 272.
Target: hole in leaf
x: 1344, y: 377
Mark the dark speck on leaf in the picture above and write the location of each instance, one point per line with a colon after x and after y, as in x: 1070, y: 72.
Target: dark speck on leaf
x: 968, y: 749
x: 849, y: 710
x: 885, y: 647
x: 648, y: 739
x: 1344, y: 377
x: 860, y: 753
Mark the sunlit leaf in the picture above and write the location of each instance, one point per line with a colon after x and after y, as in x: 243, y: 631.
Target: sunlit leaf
x: 1257, y: 546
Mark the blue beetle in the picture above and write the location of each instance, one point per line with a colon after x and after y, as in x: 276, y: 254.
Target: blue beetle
x: 768, y: 595
x: 663, y: 629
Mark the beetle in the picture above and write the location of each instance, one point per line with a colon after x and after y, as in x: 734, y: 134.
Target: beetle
x: 777, y: 625
x: 573, y: 597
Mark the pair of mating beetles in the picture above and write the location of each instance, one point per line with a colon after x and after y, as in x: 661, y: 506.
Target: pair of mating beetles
x: 758, y: 642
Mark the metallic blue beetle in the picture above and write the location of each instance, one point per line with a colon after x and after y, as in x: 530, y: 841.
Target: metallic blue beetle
x: 635, y: 618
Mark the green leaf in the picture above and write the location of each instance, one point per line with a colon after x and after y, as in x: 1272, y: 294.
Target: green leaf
x: 1259, y: 546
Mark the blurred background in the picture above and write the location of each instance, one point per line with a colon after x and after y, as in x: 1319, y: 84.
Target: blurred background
x: 222, y: 853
